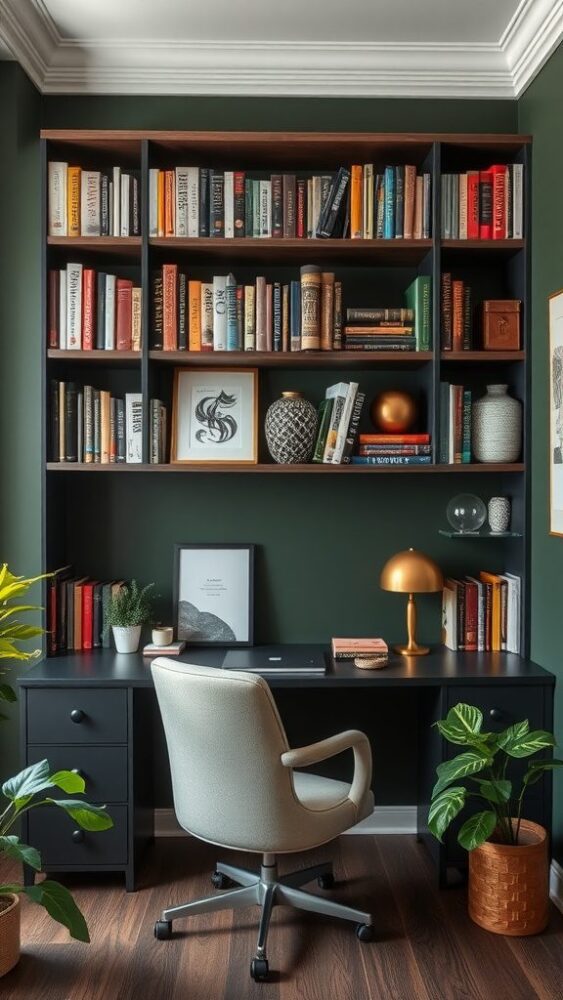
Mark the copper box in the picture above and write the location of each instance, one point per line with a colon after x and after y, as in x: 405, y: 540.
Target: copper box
x: 501, y: 324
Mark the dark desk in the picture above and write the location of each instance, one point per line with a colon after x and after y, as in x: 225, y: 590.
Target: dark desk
x: 93, y: 711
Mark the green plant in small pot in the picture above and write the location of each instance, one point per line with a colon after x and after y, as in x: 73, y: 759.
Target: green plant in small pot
x: 129, y: 610
x: 13, y: 632
x: 508, y: 855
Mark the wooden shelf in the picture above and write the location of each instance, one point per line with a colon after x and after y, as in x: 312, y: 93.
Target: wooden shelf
x: 485, y: 246
x: 391, y: 252
x: 126, y: 246
x: 290, y: 359
x: 271, y: 467
x: 482, y: 356
x: 105, y: 357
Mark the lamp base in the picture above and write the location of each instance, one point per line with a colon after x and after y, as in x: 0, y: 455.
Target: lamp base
x: 412, y: 650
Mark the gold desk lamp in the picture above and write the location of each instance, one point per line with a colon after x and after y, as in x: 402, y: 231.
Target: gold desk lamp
x: 411, y: 572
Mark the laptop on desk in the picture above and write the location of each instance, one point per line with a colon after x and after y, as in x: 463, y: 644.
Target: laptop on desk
x: 277, y: 661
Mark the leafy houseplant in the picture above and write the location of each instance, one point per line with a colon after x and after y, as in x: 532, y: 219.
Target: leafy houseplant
x: 24, y: 792
x: 13, y: 632
x: 499, y: 831
x: 128, y: 611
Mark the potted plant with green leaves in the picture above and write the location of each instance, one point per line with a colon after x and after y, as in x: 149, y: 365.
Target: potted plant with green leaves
x: 129, y: 609
x: 26, y: 791
x: 12, y: 631
x: 508, y: 855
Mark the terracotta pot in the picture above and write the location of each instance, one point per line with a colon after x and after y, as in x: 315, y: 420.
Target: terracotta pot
x: 9, y: 933
x: 508, y: 886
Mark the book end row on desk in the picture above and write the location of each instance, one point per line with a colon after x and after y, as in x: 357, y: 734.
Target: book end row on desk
x: 93, y: 202
x: 482, y: 613
x: 77, y: 611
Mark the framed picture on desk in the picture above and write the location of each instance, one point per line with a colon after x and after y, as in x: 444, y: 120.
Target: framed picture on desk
x: 214, y: 594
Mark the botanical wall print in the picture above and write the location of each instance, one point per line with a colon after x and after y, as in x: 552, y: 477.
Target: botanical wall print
x: 213, y: 588
x: 215, y: 414
x: 556, y: 413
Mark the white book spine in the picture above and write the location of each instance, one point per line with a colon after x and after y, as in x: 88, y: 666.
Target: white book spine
x: 229, y: 203
x: 116, y: 220
x: 90, y: 222
x: 193, y: 202
x: 518, y: 201
x: 58, y: 221
x: 110, y: 313
x: 265, y: 208
x: 206, y: 316
x: 153, y: 201
x: 181, y: 213
x: 344, y: 422
x: 338, y: 394
x: 463, y: 206
x: 220, y: 312
x: 62, y: 310
x: 125, y: 187
x: 449, y: 618
x: 133, y: 427
x: 74, y: 306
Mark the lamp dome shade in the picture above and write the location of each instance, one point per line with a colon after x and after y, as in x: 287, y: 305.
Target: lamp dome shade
x: 411, y: 572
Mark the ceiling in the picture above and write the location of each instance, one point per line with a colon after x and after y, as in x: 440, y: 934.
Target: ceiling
x: 399, y: 48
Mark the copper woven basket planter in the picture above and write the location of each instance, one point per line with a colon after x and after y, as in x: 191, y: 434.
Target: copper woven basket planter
x: 9, y: 934
x: 508, y: 886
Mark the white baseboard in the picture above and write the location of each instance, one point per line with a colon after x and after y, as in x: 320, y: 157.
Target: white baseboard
x: 556, y: 884
x: 384, y: 819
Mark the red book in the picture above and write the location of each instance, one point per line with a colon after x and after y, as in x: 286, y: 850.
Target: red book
x: 300, y: 222
x: 239, y: 177
x: 124, y: 293
x: 53, y: 330
x: 457, y: 315
x: 485, y: 205
x: 88, y: 309
x: 170, y: 306
x: 394, y: 439
x: 88, y: 615
x: 472, y: 204
x: 499, y: 173
x: 471, y: 615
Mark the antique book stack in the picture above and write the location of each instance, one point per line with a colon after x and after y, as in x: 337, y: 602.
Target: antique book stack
x: 369, y: 653
x: 482, y: 613
x: 393, y: 449
x: 484, y: 204
x: 406, y: 328
x: 91, y: 310
x: 93, y: 202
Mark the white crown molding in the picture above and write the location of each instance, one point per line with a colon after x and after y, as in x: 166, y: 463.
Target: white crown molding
x: 60, y: 65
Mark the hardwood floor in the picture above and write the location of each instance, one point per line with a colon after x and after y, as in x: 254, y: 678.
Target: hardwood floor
x: 426, y: 948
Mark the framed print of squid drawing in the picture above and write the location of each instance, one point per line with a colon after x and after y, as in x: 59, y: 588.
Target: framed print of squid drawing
x: 215, y: 416
x: 556, y: 413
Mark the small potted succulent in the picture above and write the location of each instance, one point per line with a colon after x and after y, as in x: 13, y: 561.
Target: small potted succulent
x: 128, y: 611
x: 508, y: 855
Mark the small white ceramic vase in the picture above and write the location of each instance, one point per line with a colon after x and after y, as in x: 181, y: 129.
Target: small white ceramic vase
x: 162, y: 635
x: 126, y: 639
x: 499, y: 514
x: 497, y: 426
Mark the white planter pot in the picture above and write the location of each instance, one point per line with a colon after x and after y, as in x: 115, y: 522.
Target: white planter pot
x: 126, y: 639
x: 497, y: 426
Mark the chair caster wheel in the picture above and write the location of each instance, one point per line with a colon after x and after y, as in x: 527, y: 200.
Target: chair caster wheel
x: 163, y: 930
x: 259, y: 970
x: 326, y: 881
x: 364, y: 932
x: 220, y: 881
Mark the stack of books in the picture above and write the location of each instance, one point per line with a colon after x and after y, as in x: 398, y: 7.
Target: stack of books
x: 93, y: 202
x: 77, y: 612
x: 90, y: 310
x: 174, y: 649
x: 455, y: 424
x: 393, y: 449
x: 483, y: 204
x: 406, y: 328
x: 456, y: 326
x: 482, y: 613
x: 339, y: 418
x: 367, y: 653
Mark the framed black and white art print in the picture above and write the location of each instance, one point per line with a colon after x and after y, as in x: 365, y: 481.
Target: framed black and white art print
x: 215, y: 416
x: 214, y: 594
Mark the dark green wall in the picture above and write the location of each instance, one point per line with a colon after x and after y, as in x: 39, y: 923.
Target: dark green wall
x: 539, y: 112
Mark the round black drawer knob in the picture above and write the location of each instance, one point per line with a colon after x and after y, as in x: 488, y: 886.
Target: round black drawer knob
x: 496, y: 714
x: 78, y: 836
x: 77, y: 715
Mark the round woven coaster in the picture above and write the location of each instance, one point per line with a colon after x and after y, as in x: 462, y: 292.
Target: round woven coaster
x: 370, y: 662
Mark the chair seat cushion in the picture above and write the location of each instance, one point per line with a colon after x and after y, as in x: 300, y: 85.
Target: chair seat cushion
x: 319, y: 793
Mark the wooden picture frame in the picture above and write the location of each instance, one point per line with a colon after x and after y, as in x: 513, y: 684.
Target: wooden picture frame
x: 215, y: 416
x: 214, y: 593
x: 556, y: 413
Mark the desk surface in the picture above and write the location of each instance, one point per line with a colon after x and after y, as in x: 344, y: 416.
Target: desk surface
x: 103, y: 668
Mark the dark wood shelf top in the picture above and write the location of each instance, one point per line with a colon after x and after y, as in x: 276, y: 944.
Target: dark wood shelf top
x: 126, y: 245
x: 290, y: 359
x: 483, y: 356
x: 271, y: 467
x: 487, y: 246
x: 400, y: 251
x: 107, y: 357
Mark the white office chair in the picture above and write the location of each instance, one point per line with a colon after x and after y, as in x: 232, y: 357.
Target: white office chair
x: 234, y: 785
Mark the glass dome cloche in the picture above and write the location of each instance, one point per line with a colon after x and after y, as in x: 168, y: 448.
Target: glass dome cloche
x: 466, y: 513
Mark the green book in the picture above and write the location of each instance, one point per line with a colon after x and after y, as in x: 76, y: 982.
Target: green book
x: 325, y: 413
x: 418, y: 297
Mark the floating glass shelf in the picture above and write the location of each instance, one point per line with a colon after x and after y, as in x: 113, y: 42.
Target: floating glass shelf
x: 448, y: 533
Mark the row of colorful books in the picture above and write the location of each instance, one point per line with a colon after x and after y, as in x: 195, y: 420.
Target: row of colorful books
x: 77, y: 612
x: 455, y: 424
x: 91, y: 310
x: 90, y: 425
x: 394, y: 449
x: 483, y: 204
x: 456, y: 330
x: 92, y: 202
x: 357, y: 202
x: 482, y: 612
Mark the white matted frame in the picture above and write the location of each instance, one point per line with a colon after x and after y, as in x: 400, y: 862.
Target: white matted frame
x: 214, y: 594
x: 215, y: 416
x: 556, y: 414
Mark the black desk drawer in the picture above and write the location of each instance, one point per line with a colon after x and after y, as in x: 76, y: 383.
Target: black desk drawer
x: 104, y: 769
x: 53, y: 833
x: 76, y: 715
x: 502, y: 706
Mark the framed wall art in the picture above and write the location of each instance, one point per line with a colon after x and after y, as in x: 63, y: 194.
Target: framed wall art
x: 214, y: 594
x: 556, y: 413
x: 215, y: 416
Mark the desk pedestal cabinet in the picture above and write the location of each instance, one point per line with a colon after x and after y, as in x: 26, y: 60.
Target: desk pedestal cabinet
x: 93, y: 712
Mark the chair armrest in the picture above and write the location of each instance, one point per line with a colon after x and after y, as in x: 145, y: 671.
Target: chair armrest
x: 352, y: 739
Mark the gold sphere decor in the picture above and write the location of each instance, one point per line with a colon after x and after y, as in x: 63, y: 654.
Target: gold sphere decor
x: 393, y: 411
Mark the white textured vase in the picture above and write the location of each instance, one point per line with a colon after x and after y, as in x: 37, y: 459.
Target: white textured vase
x: 497, y: 426
x: 499, y: 514
x: 126, y: 639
